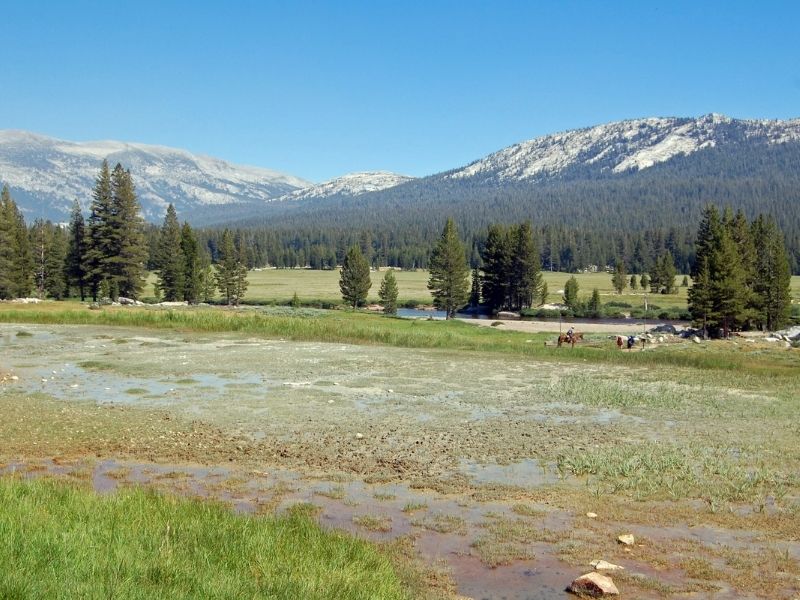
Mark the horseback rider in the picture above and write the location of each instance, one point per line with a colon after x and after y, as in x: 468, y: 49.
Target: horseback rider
x: 570, y: 333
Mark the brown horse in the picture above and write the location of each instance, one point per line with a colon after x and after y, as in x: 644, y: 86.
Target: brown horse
x: 577, y: 336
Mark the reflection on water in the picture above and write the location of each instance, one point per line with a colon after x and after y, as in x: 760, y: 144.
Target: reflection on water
x: 415, y: 313
x: 525, y: 473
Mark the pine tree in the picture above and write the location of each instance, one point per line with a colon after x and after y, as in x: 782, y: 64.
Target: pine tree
x: 475, y: 288
x: 99, y: 240
x: 728, y: 279
x: 191, y: 257
x: 49, y: 246
x: 771, y: 274
x: 449, y: 272
x: 685, y: 281
x: 571, y: 293
x: 525, y: 276
x: 700, y: 296
x: 228, y: 269
x: 127, y: 264
x: 21, y: 270
x: 240, y: 275
x: 663, y: 276
x: 206, y: 277
x: 57, y: 287
x: 354, y: 281
x: 496, y: 256
x: 644, y: 281
x: 620, y: 278
x: 75, y: 261
x: 543, y: 293
x: 388, y: 293
x: 594, y: 304
x: 634, y: 283
x: 7, y: 242
x: 170, y: 261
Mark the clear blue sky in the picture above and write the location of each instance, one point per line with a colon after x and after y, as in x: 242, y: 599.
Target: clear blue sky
x: 318, y: 89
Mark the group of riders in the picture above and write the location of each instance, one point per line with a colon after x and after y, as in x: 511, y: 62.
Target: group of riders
x: 571, y: 339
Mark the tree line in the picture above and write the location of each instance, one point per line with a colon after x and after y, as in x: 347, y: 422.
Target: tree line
x: 108, y: 254
x: 741, y: 278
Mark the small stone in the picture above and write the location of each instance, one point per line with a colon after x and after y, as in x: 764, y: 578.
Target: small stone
x: 330, y: 401
x: 594, y: 585
x: 602, y: 565
x: 359, y: 436
x: 626, y: 539
x: 14, y: 378
x: 390, y: 391
x: 591, y: 515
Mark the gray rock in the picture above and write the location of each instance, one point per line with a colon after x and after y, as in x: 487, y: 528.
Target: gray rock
x: 626, y: 539
x: 602, y: 565
x: 594, y: 585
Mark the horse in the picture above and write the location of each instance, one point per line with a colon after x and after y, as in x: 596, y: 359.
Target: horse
x: 563, y: 337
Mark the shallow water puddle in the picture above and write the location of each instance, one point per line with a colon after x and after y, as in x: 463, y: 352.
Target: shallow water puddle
x: 526, y: 473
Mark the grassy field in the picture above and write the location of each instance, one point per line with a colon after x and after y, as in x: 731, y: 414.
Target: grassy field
x: 61, y: 541
x: 279, y: 285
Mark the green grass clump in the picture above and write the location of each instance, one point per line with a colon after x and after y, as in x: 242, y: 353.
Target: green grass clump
x: 64, y: 542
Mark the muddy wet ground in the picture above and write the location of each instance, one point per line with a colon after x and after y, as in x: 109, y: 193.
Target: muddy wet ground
x: 488, y: 464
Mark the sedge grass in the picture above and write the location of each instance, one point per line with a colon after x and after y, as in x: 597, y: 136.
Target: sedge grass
x: 61, y: 541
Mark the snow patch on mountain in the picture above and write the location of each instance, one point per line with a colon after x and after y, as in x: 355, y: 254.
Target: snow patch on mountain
x: 352, y: 184
x: 620, y: 146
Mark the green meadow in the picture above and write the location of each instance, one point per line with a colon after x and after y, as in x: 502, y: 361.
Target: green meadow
x: 64, y: 541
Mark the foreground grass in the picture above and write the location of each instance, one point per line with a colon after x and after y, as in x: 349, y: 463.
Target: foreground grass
x: 363, y: 328
x: 61, y: 541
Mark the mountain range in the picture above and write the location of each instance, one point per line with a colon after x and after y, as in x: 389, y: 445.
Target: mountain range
x: 46, y: 175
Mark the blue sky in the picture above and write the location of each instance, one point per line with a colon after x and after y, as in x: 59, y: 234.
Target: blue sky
x: 319, y: 89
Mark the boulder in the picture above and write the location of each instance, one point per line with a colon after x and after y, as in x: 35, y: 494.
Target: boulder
x: 591, y: 515
x: 626, y: 539
x: 695, y: 339
x: 602, y: 565
x: 594, y: 585
x: 664, y: 328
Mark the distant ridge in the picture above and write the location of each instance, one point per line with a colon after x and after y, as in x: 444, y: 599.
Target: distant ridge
x: 47, y: 174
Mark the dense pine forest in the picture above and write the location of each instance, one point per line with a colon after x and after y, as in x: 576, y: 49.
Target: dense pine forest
x: 580, y: 219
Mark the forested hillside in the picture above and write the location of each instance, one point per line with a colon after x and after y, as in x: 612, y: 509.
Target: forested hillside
x: 581, y: 218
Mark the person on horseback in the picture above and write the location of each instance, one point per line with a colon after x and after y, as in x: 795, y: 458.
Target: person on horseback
x: 570, y: 333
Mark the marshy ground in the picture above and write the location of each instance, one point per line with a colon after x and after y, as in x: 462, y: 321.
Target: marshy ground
x: 485, y: 463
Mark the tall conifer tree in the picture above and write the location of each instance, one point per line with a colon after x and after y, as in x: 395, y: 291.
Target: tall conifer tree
x: 75, y: 261
x: 169, y: 259
x: 449, y: 273
x: 354, y: 280
x: 127, y: 267
x: 99, y: 241
x: 191, y: 265
x: 388, y: 293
